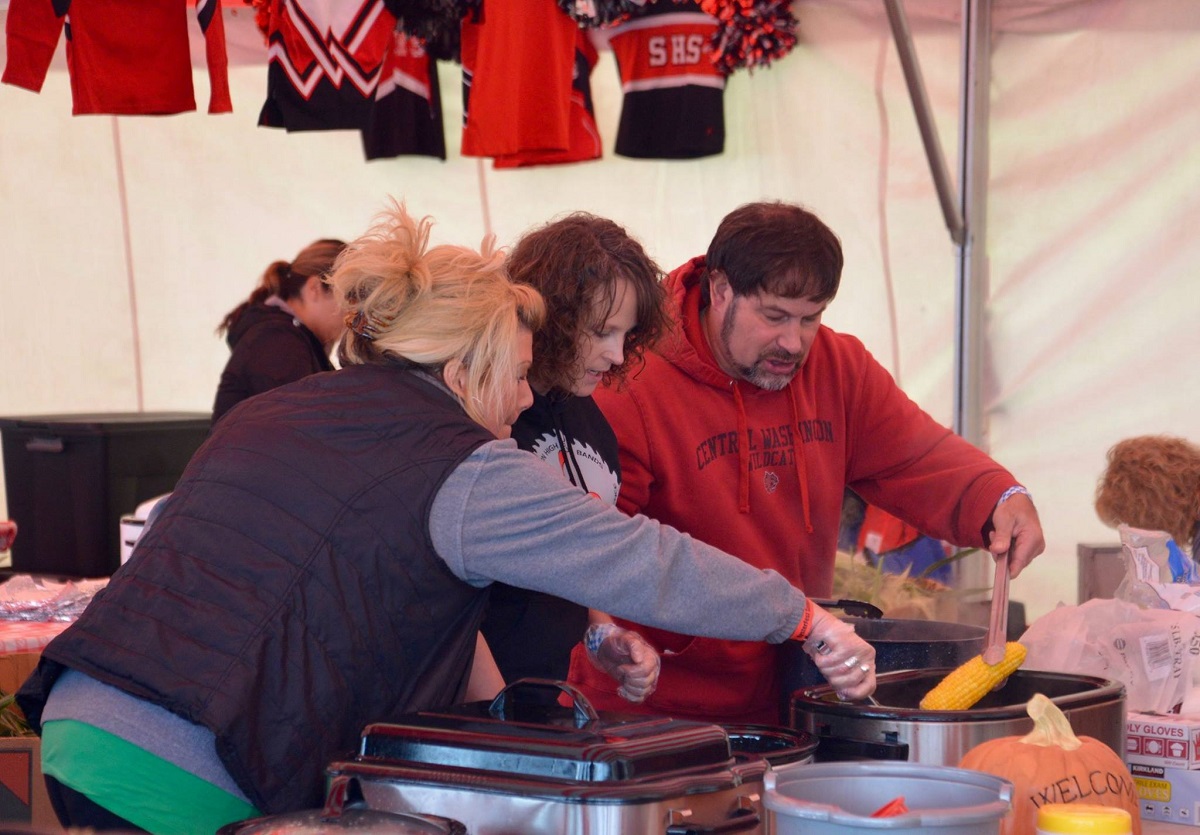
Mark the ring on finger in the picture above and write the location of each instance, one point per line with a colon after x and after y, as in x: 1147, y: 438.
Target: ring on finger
x: 851, y: 662
x: 866, y: 668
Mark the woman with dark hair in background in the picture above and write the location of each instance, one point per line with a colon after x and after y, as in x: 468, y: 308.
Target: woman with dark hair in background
x: 604, y: 307
x: 285, y: 330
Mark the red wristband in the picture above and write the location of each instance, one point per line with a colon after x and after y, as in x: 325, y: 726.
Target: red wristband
x: 805, y: 625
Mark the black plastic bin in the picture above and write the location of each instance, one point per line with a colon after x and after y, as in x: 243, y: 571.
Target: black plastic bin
x: 69, y: 478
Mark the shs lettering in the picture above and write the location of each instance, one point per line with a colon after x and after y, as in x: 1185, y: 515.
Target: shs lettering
x: 675, y: 50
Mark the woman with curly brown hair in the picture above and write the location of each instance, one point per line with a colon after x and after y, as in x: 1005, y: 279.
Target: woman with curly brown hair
x: 604, y: 308
x: 1153, y: 482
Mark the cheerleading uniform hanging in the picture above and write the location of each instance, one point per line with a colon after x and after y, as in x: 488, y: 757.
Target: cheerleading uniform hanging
x: 323, y: 62
x: 583, y: 137
x: 673, y: 93
x: 406, y: 116
x: 526, y: 97
x: 325, y: 66
x: 123, y: 58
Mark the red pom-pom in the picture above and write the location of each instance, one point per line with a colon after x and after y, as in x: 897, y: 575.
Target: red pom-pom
x: 263, y: 10
x: 751, y: 33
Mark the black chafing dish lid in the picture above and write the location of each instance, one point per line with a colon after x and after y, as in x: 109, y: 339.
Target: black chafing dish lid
x: 523, y: 733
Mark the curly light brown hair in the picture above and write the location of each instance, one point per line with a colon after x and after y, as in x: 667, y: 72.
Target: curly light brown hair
x: 575, y: 262
x: 1152, y: 482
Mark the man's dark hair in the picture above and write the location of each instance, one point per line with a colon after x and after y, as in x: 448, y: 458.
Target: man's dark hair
x: 777, y: 248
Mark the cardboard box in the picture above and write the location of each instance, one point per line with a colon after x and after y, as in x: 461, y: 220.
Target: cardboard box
x: 1171, y: 795
x: 1169, y: 741
x: 23, y: 798
x: 15, y: 667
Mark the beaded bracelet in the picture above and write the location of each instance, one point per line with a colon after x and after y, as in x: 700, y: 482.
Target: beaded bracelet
x: 1015, y: 490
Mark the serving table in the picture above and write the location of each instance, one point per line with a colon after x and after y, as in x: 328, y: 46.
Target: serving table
x: 25, y: 801
x: 33, y: 611
x: 21, y: 644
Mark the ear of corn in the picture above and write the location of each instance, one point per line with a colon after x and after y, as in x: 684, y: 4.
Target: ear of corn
x: 969, y: 683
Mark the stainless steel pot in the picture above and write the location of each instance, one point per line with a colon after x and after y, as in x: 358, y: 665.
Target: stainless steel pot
x: 898, y: 729
x: 342, y: 820
x: 782, y: 748
x: 536, y: 767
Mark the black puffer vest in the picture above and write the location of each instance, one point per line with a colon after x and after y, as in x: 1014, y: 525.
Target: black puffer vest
x: 289, y: 593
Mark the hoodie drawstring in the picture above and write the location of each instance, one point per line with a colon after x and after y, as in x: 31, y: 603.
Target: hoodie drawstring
x: 743, y: 450
x: 800, y: 462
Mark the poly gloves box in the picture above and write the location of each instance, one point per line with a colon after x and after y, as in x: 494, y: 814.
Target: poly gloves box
x: 1166, y: 740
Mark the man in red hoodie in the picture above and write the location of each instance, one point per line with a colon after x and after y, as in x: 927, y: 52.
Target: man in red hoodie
x: 747, y: 423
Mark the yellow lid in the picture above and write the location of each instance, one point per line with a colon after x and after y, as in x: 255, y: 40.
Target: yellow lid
x: 1073, y: 818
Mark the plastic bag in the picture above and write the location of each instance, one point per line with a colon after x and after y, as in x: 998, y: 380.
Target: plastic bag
x: 1158, y: 575
x: 1153, y: 652
x: 25, y: 597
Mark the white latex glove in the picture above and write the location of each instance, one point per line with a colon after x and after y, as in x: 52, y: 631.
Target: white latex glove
x: 625, y: 656
x: 846, y: 660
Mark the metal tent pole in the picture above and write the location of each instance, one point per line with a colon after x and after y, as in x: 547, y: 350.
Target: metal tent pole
x: 950, y: 203
x: 972, y: 284
x: 965, y: 214
x: 972, y: 272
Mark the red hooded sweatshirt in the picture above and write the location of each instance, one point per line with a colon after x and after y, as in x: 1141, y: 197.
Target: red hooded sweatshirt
x: 761, y: 474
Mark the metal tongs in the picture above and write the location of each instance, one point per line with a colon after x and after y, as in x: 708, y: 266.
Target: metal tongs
x: 997, y: 634
x: 852, y: 608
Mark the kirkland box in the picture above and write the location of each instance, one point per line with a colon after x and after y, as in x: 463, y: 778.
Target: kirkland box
x: 69, y: 478
x: 1166, y: 740
x: 1171, y: 795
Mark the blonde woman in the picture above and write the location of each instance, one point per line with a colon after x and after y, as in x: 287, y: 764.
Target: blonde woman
x: 324, y: 562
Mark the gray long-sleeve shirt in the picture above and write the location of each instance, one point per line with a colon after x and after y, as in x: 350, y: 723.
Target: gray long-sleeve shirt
x: 500, y: 517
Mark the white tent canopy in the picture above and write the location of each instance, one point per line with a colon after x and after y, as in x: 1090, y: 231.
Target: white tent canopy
x: 127, y: 239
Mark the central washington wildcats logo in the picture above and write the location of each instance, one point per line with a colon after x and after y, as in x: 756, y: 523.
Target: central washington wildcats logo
x: 770, y: 481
